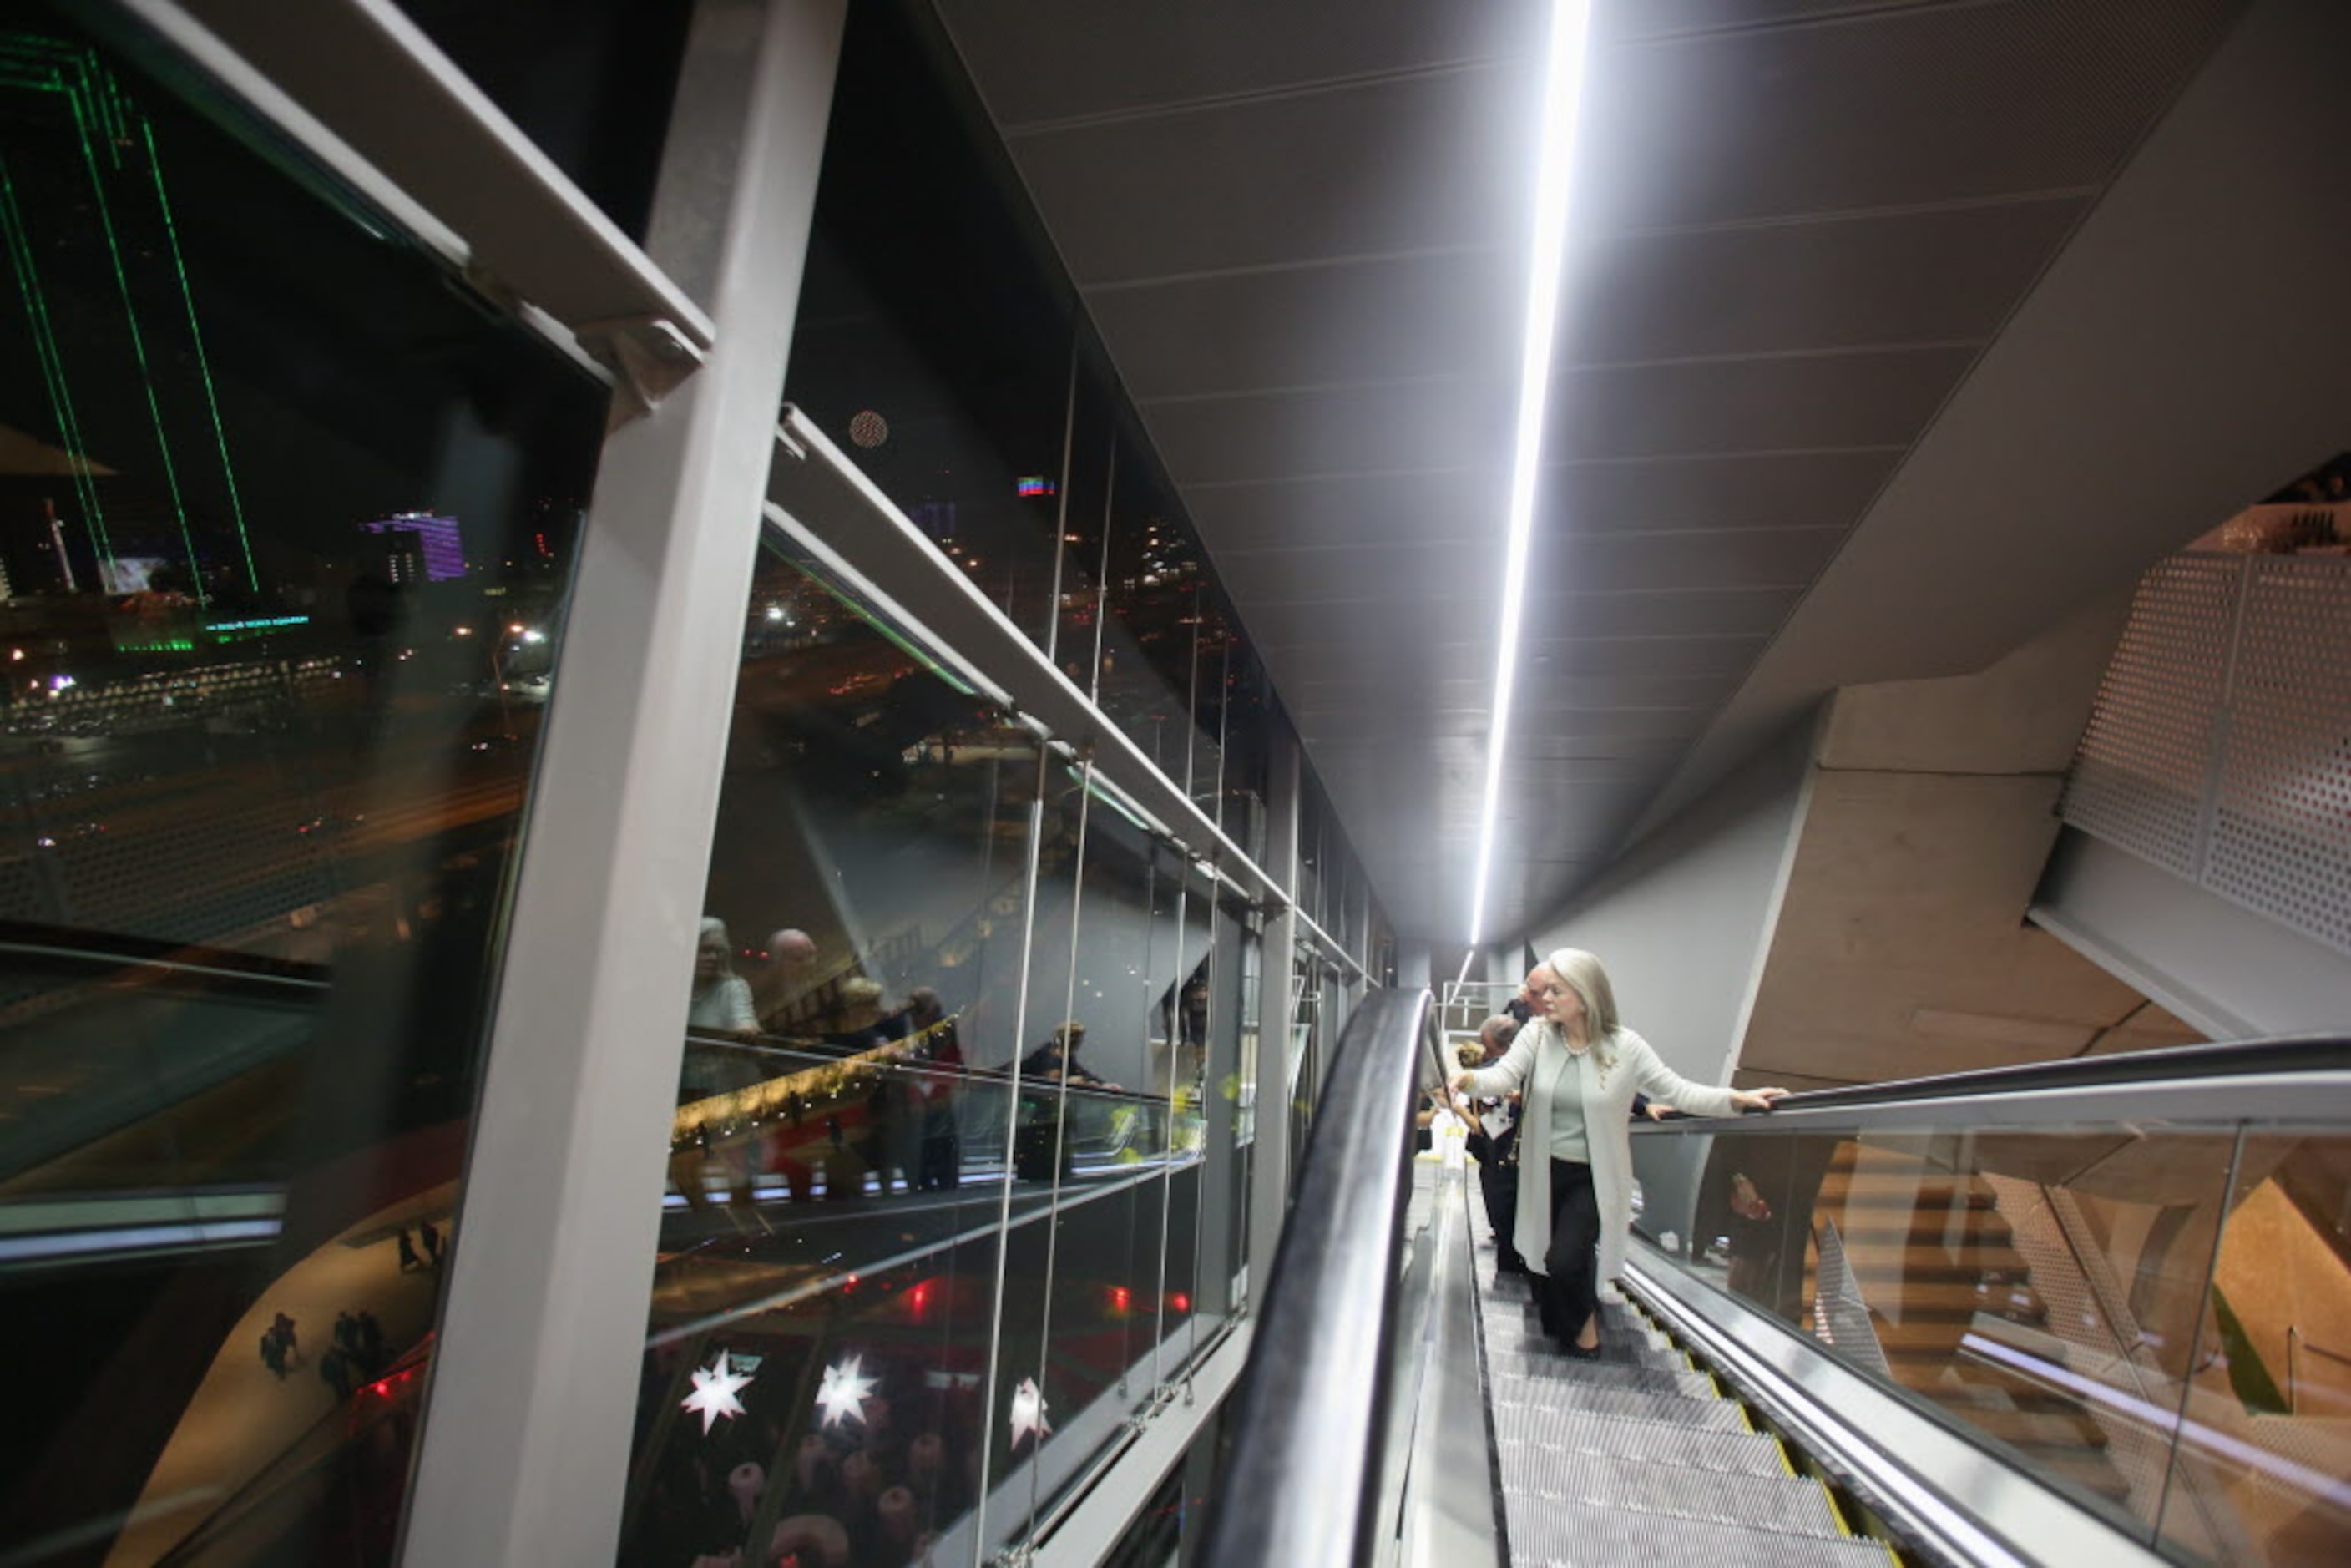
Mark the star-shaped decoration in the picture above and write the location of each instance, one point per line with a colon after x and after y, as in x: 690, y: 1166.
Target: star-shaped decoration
x: 715, y: 1388
x: 1028, y: 1412
x: 844, y: 1392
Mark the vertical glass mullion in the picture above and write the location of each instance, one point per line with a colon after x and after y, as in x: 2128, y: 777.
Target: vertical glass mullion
x: 1207, y: 1145
x: 1175, y: 1091
x: 989, y: 1391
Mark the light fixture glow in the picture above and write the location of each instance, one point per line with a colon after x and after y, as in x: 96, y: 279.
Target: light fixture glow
x: 1563, y: 92
x: 715, y: 1390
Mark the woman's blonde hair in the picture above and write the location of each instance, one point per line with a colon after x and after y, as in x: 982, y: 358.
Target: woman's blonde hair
x: 1583, y: 973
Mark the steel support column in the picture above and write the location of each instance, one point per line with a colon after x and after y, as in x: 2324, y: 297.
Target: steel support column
x: 527, y: 1422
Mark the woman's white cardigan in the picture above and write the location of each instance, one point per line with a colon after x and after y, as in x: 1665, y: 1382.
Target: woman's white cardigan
x: 1612, y: 1072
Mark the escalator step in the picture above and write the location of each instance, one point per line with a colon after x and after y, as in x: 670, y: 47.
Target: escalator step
x: 1601, y: 1398
x: 1612, y: 1319
x: 1560, y: 1369
x: 1567, y: 1433
x: 1620, y: 1350
x: 1591, y: 1538
x: 1782, y: 1503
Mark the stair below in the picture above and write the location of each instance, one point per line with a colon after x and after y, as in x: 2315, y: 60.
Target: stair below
x: 1637, y: 1456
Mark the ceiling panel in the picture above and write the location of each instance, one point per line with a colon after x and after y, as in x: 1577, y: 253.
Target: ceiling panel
x: 1731, y: 490
x: 1541, y: 691
x: 1867, y: 278
x: 1907, y: 106
x: 1677, y: 612
x: 1402, y: 500
x: 1053, y: 59
x: 1853, y: 398
x: 1379, y: 168
x: 1389, y: 317
x: 1337, y: 431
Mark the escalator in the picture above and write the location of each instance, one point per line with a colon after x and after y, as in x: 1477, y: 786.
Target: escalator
x: 2049, y: 1314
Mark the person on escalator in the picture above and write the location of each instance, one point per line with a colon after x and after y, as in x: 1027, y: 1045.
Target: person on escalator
x: 1579, y: 1068
x: 1494, y: 1144
x: 1043, y: 1145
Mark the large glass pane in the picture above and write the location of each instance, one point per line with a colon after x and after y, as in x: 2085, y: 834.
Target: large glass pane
x: 286, y: 523
x: 824, y: 1305
x: 1148, y: 572
x: 2043, y: 1287
x: 2265, y: 1445
x: 1225, y: 1171
x: 589, y: 81
x: 945, y: 368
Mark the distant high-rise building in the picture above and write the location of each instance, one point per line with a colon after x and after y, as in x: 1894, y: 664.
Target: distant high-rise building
x: 936, y: 518
x: 439, y: 542
x: 398, y: 555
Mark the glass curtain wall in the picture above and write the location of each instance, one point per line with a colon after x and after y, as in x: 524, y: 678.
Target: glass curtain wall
x: 959, y: 1168
x: 288, y: 519
x: 286, y: 523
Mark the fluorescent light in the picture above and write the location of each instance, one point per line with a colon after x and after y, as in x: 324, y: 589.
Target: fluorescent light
x: 1563, y: 93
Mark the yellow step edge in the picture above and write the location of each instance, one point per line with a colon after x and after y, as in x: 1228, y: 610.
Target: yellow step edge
x: 1837, y: 1509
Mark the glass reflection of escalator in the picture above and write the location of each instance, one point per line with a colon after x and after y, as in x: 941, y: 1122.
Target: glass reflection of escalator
x: 2109, y: 1273
x: 1937, y: 1266
x: 336, y: 1489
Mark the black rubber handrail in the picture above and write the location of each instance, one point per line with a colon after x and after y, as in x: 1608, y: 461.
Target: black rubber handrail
x: 80, y: 948
x: 1309, y: 1420
x: 2301, y: 1053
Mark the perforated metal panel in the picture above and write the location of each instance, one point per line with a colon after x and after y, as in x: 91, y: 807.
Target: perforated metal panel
x: 2220, y: 747
x: 2280, y: 825
x: 2139, y: 774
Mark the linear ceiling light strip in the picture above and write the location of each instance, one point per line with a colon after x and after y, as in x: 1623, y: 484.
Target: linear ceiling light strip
x: 1562, y: 90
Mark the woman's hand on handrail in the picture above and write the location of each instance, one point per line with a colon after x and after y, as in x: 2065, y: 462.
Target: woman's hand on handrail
x: 1756, y: 1099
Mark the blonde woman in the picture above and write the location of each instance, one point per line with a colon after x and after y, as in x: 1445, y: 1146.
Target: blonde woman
x: 1579, y: 1069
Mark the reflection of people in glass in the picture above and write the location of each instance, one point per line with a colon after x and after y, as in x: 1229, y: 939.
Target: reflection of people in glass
x: 1043, y: 1145
x: 863, y: 1026
x: 1195, y: 1012
x: 1579, y: 1069
x: 931, y: 1040
x: 721, y: 1003
x: 791, y: 970
x: 1056, y: 1060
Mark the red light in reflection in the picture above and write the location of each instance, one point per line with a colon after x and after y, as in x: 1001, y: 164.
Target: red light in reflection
x: 918, y: 1300
x: 1120, y: 1298
x: 386, y: 1388
x: 1180, y: 1302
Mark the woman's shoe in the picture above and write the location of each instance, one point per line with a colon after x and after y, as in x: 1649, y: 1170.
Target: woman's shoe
x: 1574, y: 1352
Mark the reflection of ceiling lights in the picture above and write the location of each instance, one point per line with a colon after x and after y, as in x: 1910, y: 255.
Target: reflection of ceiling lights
x: 715, y: 1388
x: 1562, y: 89
x: 868, y: 429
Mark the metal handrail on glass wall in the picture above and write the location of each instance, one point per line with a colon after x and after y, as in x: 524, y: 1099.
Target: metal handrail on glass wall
x: 1311, y: 1419
x: 2095, y: 1271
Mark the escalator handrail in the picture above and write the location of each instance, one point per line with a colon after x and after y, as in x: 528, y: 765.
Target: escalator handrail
x: 2122, y: 1070
x: 1310, y: 1418
x: 115, y: 951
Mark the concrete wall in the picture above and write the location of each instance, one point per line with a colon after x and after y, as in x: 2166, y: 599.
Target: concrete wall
x: 1682, y: 917
x: 1901, y: 949
x: 2230, y: 972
